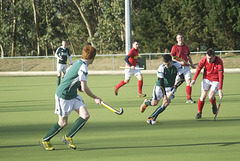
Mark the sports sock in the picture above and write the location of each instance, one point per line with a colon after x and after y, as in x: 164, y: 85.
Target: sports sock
x: 122, y: 83
x: 78, y: 124
x: 148, y: 103
x: 58, y: 80
x: 140, y: 84
x: 213, y: 101
x: 188, y: 91
x: 54, y: 130
x: 200, y: 105
x: 159, y: 110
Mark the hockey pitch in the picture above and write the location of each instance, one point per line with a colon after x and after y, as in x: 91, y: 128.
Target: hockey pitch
x: 27, y: 113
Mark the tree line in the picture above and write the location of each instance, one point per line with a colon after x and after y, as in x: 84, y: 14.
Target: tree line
x: 37, y: 27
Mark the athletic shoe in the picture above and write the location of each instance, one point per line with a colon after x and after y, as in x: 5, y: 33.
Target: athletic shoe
x: 115, y: 91
x: 214, y: 108
x: 143, y: 106
x: 190, y: 101
x: 150, y: 121
x: 68, y: 141
x: 141, y: 95
x: 199, y: 115
x: 46, y: 145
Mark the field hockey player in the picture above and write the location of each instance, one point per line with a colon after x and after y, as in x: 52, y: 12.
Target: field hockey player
x: 212, y: 80
x: 67, y: 100
x: 165, y: 87
x: 180, y: 52
x: 132, y: 69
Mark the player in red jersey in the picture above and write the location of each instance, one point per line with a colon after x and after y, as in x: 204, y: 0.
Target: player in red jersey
x: 181, y: 50
x: 131, y: 60
x: 212, y: 80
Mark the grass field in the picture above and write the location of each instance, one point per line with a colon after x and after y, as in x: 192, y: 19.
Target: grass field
x: 27, y: 112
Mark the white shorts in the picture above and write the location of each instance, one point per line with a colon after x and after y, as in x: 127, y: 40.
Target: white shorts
x: 65, y: 107
x: 61, y: 68
x: 130, y: 72
x: 206, y: 84
x: 157, y: 93
x: 187, y: 73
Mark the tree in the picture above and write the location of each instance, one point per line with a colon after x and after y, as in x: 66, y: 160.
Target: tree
x: 223, y: 23
x: 149, y: 27
x: 109, y: 35
x: 89, y: 13
x: 36, y: 26
x: 14, y: 30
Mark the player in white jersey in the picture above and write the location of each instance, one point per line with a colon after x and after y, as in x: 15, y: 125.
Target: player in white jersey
x: 67, y: 100
x: 62, y: 53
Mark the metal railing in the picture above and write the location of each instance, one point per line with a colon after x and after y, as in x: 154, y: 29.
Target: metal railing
x: 20, y: 63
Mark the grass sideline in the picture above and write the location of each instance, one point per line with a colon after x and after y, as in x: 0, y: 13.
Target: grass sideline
x: 27, y: 112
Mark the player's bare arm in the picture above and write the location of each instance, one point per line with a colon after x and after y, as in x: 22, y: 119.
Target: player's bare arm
x: 191, y: 63
x: 192, y: 83
x: 86, y: 90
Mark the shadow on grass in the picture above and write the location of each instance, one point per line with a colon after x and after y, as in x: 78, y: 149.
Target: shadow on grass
x: 127, y: 147
x: 162, y: 146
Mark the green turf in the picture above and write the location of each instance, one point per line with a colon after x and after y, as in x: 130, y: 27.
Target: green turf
x: 27, y: 113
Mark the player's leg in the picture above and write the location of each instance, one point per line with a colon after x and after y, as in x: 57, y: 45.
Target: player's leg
x: 140, y: 83
x: 152, y: 118
x: 212, y: 98
x: 80, y: 108
x: 164, y: 105
x: 58, y: 74
x: 64, y: 70
x: 201, y: 103
x: 187, y: 76
x: 128, y: 75
x: 205, y: 86
x: 151, y: 102
x: 45, y: 141
x: 56, y: 128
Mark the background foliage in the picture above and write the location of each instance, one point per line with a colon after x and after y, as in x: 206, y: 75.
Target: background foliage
x: 36, y: 27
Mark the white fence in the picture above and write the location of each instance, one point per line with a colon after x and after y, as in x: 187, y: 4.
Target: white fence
x: 48, y: 63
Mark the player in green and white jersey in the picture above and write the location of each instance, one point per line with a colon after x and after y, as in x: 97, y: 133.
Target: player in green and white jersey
x: 67, y: 100
x: 62, y: 53
x: 164, y: 87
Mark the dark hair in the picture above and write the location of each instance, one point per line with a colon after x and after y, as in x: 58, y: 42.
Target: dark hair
x: 135, y: 41
x: 167, y: 58
x: 210, y: 52
x: 179, y: 34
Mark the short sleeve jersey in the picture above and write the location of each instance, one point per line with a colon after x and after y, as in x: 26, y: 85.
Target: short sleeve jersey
x: 169, y: 74
x: 72, y: 80
x: 212, y: 71
x: 63, y: 53
x: 133, y: 56
x: 181, y: 52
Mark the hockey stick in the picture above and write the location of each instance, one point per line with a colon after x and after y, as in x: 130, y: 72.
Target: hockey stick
x: 112, y: 109
x: 176, y: 57
x: 159, y: 109
x: 130, y: 68
x: 218, y: 109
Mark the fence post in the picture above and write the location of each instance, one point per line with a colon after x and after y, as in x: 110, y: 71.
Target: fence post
x: 53, y: 64
x: 113, y: 63
x: 22, y: 64
x: 150, y: 62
